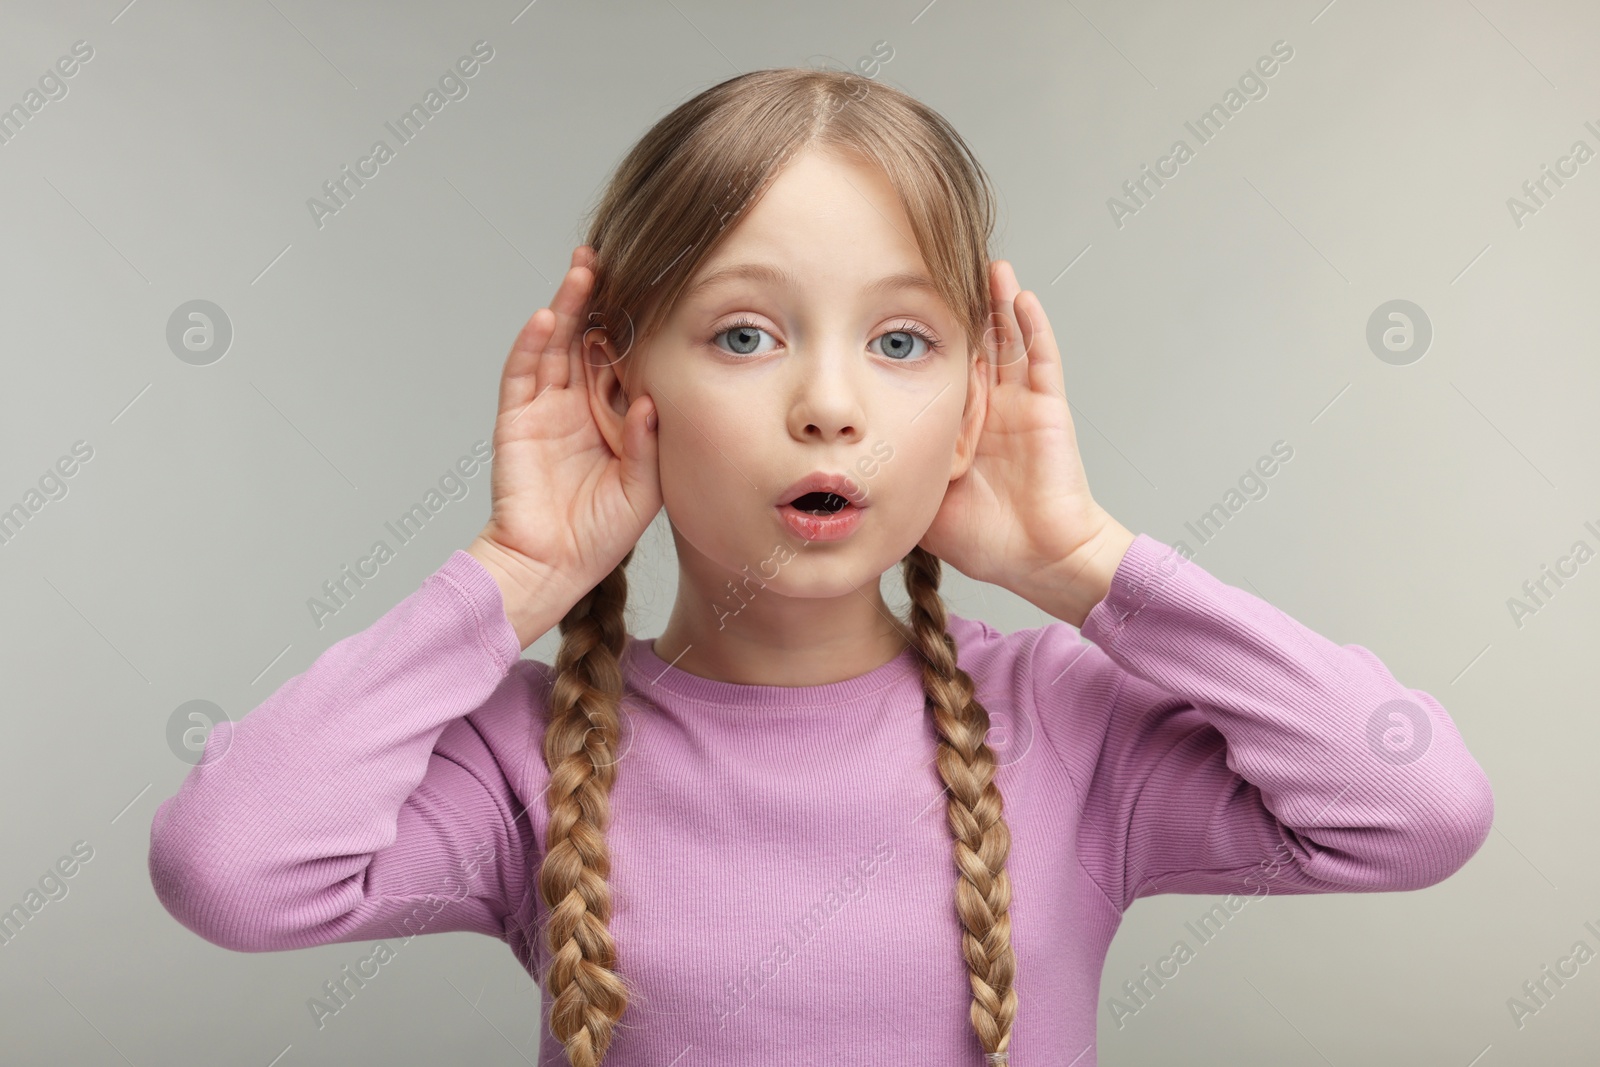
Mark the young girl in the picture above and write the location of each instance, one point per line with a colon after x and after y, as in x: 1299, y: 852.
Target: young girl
x: 795, y: 828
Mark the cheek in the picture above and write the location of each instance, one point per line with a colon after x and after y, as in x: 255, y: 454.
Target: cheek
x: 925, y: 478
x: 706, y: 497
x: 906, y: 471
x: 685, y: 460
x: 912, y: 481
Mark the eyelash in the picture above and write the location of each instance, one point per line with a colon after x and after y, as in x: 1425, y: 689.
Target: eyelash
x: 934, y: 344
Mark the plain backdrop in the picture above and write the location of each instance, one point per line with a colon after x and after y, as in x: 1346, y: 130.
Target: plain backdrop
x: 1229, y: 312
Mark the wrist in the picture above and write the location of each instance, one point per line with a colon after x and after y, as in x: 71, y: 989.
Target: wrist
x: 532, y: 597
x: 1070, y: 588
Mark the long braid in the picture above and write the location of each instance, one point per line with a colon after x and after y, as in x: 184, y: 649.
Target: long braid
x: 580, y: 748
x: 581, y: 739
x: 982, y: 840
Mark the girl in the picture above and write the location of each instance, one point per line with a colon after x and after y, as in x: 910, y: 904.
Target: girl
x: 795, y: 828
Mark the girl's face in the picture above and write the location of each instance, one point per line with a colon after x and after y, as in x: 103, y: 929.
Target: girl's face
x: 801, y: 346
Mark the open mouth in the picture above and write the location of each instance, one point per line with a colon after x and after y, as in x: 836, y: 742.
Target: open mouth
x: 820, y: 503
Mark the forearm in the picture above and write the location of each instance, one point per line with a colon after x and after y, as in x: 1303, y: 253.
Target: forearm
x: 1372, y: 776
x: 268, y: 841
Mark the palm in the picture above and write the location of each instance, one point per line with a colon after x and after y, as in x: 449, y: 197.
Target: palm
x: 561, y: 497
x: 1024, y: 503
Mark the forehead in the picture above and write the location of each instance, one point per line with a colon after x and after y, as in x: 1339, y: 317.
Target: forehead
x: 825, y: 220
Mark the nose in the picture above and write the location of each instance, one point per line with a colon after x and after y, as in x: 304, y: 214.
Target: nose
x: 826, y: 405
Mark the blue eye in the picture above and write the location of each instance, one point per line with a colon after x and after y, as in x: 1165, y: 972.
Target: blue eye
x: 742, y: 334
x: 744, y: 337
x: 904, y: 340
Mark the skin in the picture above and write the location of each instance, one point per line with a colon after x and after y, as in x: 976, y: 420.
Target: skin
x: 971, y: 455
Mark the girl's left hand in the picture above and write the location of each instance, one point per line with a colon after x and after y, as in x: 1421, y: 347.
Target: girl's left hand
x: 1023, y: 507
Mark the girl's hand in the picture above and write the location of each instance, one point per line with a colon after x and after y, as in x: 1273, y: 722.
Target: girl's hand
x: 565, y: 509
x: 1023, y: 510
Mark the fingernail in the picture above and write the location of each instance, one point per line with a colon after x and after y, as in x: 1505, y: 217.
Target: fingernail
x: 650, y: 419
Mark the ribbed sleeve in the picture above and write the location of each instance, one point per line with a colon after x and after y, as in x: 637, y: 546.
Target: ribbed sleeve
x: 1240, y: 752
x: 780, y: 856
x: 327, y: 814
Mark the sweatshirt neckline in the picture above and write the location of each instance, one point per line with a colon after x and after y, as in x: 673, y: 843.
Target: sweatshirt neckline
x: 651, y: 673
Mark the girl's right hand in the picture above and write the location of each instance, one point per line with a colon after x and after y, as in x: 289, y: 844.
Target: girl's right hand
x: 565, y: 509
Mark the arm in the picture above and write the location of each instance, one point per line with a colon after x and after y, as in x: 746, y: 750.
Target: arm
x: 1220, y: 746
x: 363, y: 799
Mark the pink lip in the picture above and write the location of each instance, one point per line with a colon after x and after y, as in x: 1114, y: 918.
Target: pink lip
x: 826, y: 482
x: 840, y: 524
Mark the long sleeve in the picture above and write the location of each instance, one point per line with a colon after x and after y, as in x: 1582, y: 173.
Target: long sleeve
x: 362, y: 799
x: 1240, y: 752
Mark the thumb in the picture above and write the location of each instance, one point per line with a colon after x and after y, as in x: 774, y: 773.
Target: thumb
x: 641, y: 476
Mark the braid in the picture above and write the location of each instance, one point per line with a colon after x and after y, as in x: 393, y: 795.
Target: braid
x: 580, y: 748
x: 588, y: 996
x: 982, y: 840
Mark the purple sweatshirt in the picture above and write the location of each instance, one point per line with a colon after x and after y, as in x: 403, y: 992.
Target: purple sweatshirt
x: 782, y: 878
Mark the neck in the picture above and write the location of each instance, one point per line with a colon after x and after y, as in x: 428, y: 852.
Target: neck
x: 753, y: 635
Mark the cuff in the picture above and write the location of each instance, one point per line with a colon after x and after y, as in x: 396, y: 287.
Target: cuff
x: 481, y: 594
x: 1150, y: 572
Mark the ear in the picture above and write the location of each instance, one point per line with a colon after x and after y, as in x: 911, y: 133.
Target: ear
x: 603, y: 374
x: 979, y: 372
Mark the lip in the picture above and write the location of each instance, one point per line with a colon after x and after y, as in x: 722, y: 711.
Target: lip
x: 826, y: 482
x: 833, y: 527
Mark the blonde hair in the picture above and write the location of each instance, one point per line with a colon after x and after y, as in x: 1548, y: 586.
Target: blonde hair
x: 665, y: 209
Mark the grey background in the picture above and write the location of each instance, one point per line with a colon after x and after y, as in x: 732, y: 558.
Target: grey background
x: 1229, y: 313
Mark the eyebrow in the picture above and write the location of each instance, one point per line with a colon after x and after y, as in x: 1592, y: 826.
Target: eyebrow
x: 781, y: 278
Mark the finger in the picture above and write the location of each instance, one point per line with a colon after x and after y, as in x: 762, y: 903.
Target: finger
x: 641, y: 473
x: 1011, y: 359
x: 529, y: 370
x: 555, y: 363
x: 994, y: 332
x: 519, y: 378
x: 1044, y: 356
